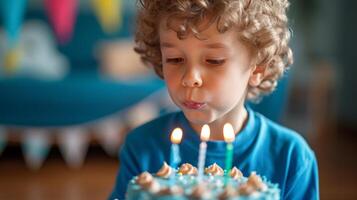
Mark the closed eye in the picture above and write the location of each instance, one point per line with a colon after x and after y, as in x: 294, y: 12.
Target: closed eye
x: 175, y: 60
x: 215, y: 61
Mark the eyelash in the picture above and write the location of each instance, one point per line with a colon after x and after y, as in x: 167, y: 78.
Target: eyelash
x: 182, y: 60
x: 215, y: 62
x: 175, y: 60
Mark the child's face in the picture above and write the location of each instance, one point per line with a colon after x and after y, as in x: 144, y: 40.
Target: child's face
x: 207, y: 79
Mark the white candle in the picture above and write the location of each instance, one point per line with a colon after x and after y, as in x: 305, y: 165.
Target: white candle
x: 205, y: 133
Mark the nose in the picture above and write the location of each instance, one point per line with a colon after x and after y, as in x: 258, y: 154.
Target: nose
x: 192, y: 78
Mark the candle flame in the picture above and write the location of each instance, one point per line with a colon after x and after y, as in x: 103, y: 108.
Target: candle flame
x: 228, y: 133
x: 205, y: 133
x: 176, y: 136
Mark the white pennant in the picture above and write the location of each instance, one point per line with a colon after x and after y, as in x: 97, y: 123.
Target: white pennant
x: 109, y: 133
x: 73, y: 143
x: 35, y: 147
x: 3, y: 138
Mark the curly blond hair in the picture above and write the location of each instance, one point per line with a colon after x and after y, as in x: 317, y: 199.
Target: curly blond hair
x: 262, y: 24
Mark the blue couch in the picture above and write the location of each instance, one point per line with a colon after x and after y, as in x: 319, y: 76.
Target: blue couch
x: 82, y: 96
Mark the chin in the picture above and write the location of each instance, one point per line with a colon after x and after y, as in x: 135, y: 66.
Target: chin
x: 198, y: 117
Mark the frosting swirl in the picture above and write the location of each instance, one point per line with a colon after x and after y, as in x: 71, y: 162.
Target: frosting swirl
x: 165, y: 171
x: 228, y: 192
x: 200, y: 191
x: 236, y: 173
x: 256, y: 182
x: 188, y: 169
x: 214, y: 170
x: 146, y: 181
x: 173, y: 190
x: 197, y: 192
x: 246, y: 189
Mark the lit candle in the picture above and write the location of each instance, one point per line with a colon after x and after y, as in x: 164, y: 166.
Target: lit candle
x: 228, y: 133
x: 205, y: 133
x: 175, y: 158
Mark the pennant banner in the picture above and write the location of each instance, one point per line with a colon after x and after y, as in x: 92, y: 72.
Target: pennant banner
x: 73, y: 143
x: 62, y: 15
x: 109, y: 13
x: 12, y: 15
x: 35, y: 146
x: 109, y: 133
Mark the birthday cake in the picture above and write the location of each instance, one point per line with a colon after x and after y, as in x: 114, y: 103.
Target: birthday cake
x: 184, y: 184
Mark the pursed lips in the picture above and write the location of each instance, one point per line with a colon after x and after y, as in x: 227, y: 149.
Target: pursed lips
x: 193, y: 105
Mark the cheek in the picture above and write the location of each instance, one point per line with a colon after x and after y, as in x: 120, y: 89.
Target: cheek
x: 229, y: 87
x: 172, y: 79
x: 224, y: 92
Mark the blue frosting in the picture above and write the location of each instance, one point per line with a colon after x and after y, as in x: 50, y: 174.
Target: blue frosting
x: 215, y: 186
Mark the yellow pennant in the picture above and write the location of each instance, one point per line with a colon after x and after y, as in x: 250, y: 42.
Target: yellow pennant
x: 109, y: 13
x: 12, y: 60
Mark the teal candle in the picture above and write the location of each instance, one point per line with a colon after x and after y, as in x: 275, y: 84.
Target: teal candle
x: 229, y: 159
x: 175, y: 156
x: 228, y: 133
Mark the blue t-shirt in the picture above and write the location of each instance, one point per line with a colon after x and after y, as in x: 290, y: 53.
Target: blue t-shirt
x: 271, y: 150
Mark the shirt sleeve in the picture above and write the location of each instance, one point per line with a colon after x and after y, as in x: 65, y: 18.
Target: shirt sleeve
x: 305, y: 183
x: 127, y: 170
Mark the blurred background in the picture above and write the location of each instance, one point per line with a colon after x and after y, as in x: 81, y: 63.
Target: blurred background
x: 71, y: 87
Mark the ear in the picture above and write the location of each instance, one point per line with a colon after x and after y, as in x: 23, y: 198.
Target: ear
x: 256, y: 76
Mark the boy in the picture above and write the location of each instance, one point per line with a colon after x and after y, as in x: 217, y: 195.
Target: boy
x: 214, y: 55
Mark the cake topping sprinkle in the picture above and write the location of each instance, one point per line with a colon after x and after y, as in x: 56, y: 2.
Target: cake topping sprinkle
x: 256, y: 182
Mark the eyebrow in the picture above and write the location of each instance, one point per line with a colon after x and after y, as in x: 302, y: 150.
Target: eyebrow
x: 216, y: 45
x: 212, y: 45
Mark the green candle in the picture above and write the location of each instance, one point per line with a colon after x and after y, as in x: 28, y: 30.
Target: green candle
x: 229, y: 158
x: 228, y: 133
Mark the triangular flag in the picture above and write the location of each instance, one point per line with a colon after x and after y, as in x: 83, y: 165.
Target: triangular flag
x: 12, y: 60
x: 12, y: 14
x: 109, y: 13
x: 35, y: 146
x: 73, y: 143
x: 62, y: 15
x: 109, y: 134
x: 3, y: 137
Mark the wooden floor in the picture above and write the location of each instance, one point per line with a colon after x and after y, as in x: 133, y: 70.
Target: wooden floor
x: 336, y: 158
x: 55, y: 180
